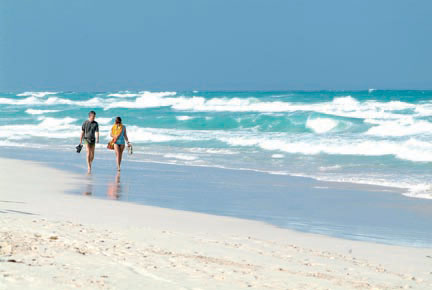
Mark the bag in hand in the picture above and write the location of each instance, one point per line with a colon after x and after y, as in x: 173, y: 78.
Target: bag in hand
x: 110, y: 145
x: 115, y: 132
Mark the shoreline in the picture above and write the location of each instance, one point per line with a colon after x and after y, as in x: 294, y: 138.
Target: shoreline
x: 289, y: 202
x: 166, y: 246
x: 331, y: 183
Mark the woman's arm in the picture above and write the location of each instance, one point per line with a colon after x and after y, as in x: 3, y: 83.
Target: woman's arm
x: 126, y: 136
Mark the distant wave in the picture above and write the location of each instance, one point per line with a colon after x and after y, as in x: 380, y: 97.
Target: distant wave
x: 40, y: 112
x: 21, y: 102
x: 403, y: 127
x: 125, y: 94
x: 38, y: 101
x: 412, y: 149
x: 341, y: 106
x: 36, y: 94
x: 57, y: 128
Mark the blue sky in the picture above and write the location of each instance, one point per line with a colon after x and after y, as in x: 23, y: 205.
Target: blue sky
x: 96, y: 45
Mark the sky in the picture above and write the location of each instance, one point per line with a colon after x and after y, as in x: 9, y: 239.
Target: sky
x: 108, y: 45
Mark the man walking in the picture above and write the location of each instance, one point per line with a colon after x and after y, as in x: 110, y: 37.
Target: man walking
x: 90, y: 135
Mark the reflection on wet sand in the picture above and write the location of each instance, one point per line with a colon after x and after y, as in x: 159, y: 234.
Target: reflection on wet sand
x: 114, y: 188
x: 89, y: 185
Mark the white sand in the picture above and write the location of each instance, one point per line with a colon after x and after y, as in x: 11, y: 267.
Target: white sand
x: 52, y: 240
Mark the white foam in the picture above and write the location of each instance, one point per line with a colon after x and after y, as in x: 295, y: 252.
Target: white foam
x: 423, y: 109
x: 278, y: 156
x: 411, y: 188
x: 36, y: 94
x: 221, y: 151
x: 145, y: 135
x: 40, y: 112
x: 412, y: 149
x: 402, y: 127
x: 183, y: 118
x: 181, y: 156
x: 213, y: 151
x: 104, y: 121
x: 422, y: 190
x: 125, y: 94
x: 91, y: 103
x: 341, y: 106
x: 48, y: 128
x: 25, y: 101
x: 9, y: 143
x: 145, y: 100
x: 329, y: 168
x: 50, y: 101
x: 321, y: 125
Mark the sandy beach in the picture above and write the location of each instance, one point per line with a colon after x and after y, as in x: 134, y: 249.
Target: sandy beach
x: 53, y: 240
x: 215, y: 145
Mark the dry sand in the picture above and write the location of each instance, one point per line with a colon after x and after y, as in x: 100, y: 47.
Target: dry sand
x: 52, y: 240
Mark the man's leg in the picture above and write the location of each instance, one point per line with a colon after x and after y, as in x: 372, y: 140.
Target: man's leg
x: 93, y: 152
x: 88, y: 150
x: 90, y: 156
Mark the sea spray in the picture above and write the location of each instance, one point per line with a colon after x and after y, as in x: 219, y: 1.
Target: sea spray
x: 371, y: 136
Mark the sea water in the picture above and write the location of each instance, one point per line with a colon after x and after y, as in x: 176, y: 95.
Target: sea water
x: 373, y: 137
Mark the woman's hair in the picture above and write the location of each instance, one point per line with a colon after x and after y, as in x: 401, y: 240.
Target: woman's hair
x: 118, y: 120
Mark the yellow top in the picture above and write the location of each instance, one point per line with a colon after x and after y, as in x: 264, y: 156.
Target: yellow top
x: 116, y: 130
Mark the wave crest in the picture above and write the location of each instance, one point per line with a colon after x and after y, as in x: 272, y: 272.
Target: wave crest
x: 321, y: 125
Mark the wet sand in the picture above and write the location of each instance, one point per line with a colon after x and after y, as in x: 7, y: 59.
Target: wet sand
x: 54, y: 240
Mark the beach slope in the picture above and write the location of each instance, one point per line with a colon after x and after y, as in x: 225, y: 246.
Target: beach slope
x: 53, y: 240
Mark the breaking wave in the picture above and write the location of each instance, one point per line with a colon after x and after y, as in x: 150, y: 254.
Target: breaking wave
x: 304, y: 133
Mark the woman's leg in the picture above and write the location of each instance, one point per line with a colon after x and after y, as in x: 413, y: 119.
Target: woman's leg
x: 118, y: 155
x: 122, y: 147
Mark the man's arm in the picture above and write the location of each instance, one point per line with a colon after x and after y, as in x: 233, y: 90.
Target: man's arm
x: 82, y: 136
x: 97, y: 133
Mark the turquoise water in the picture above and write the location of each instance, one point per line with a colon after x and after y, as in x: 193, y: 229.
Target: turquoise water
x: 374, y: 136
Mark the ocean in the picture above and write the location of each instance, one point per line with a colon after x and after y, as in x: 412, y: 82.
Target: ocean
x: 283, y: 158
x: 378, y: 137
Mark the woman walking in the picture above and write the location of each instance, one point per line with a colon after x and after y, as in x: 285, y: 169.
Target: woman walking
x: 119, y: 135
